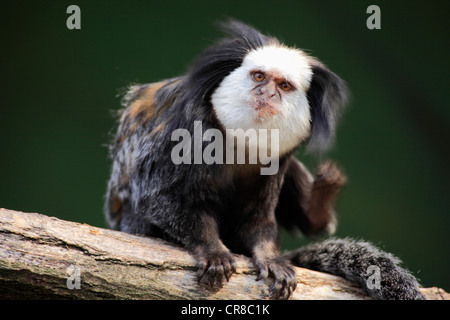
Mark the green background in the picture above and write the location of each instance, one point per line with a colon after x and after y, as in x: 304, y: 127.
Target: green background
x: 60, y: 86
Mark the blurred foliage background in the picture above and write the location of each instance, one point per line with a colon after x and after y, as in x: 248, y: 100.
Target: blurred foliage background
x: 60, y: 86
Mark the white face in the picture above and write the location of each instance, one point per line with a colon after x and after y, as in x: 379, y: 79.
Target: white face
x: 268, y: 91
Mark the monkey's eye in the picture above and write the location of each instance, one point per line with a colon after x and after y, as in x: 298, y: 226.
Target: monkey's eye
x: 258, y: 76
x: 285, y: 86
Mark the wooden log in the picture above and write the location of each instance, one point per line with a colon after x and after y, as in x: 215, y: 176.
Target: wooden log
x: 44, y: 257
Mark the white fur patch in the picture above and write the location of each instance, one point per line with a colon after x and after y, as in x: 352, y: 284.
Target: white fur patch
x: 232, y: 99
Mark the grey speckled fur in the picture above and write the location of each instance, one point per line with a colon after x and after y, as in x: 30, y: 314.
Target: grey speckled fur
x: 351, y: 259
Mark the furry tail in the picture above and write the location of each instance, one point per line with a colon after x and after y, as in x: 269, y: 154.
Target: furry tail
x: 378, y: 272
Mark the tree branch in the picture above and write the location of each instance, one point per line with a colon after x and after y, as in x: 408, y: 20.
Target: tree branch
x: 44, y: 257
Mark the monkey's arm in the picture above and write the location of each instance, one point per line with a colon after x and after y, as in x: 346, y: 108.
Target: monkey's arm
x: 258, y: 234
x: 214, y: 260
x: 176, y: 217
x: 269, y: 262
x: 306, y: 202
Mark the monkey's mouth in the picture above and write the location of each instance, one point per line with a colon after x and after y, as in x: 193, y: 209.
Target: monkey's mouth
x: 265, y: 109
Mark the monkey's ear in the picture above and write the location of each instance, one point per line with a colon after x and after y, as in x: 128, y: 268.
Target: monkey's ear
x: 327, y: 96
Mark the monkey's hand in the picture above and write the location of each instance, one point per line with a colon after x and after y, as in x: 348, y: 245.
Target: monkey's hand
x: 329, y: 176
x: 214, y: 263
x: 327, y: 184
x: 282, y: 272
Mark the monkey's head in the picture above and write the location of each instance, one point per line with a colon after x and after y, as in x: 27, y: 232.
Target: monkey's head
x: 254, y: 81
x: 268, y: 91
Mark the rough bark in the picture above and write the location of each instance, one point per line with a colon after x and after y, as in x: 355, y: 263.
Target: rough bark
x: 40, y: 257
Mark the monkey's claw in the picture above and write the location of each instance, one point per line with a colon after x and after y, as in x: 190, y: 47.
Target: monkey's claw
x: 215, y: 267
x: 283, y: 274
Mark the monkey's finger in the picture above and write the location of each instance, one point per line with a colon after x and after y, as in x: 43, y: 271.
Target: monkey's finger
x: 229, y: 267
x: 201, y: 270
x: 227, y: 272
x: 329, y: 175
x: 216, y: 273
x: 291, y: 288
x: 280, y: 289
x: 274, y: 289
x: 263, y: 272
x: 233, y: 265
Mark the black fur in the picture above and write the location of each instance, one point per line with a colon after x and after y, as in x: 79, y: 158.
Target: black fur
x: 216, y: 62
x: 213, y: 210
x: 327, y: 95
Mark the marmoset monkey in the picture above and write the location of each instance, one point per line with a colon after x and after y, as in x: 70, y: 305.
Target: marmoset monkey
x: 202, y: 196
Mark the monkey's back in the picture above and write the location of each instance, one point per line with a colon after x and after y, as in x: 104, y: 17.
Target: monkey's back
x: 133, y: 146
x: 146, y: 188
